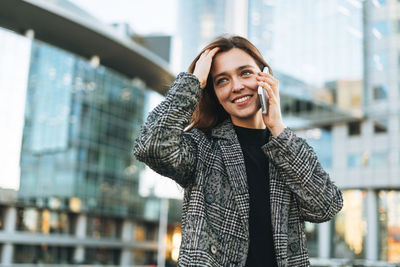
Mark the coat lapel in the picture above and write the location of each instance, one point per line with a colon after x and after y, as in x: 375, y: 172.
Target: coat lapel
x: 235, y: 167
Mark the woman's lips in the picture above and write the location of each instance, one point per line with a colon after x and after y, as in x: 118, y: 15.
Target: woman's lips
x: 242, y: 100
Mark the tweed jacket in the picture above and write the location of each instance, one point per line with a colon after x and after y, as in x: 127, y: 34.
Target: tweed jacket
x: 211, y: 169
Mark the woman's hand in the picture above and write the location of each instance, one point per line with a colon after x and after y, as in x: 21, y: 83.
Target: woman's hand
x: 273, y: 119
x: 203, y: 65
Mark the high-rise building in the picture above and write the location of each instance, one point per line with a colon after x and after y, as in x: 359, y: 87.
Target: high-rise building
x: 200, y: 21
x: 367, y: 151
x: 346, y: 53
x: 75, y: 91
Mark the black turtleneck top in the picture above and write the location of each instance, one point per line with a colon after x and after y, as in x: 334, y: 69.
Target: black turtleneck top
x: 261, y: 250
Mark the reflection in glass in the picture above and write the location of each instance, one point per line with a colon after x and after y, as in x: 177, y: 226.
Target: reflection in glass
x: 381, y: 125
x: 103, y: 227
x: 380, y: 61
x: 354, y: 160
x: 380, y: 92
x: 350, y: 227
x: 28, y: 220
x: 44, y: 221
x: 43, y: 254
x: 379, y: 159
x: 381, y: 28
x: 389, y: 225
x: 145, y: 257
x: 1, y: 217
x: 102, y: 256
x: 311, y: 231
x: 80, y: 122
x: 176, y: 238
x: 146, y: 232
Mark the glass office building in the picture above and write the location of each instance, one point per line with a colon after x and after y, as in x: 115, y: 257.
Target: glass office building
x: 367, y: 155
x: 71, y: 111
x: 80, y: 121
x: 200, y: 21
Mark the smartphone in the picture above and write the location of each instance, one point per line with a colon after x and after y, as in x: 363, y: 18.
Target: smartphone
x: 263, y: 95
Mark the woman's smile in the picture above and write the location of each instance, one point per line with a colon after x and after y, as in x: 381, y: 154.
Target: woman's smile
x: 242, y: 100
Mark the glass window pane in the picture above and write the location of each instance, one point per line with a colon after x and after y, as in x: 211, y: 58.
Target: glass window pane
x: 389, y: 225
x: 381, y: 28
x: 379, y: 160
x: 380, y: 92
x: 311, y: 230
x: 349, y: 227
x: 379, y: 61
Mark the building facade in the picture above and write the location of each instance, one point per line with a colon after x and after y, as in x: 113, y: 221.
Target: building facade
x: 367, y: 152
x: 75, y: 92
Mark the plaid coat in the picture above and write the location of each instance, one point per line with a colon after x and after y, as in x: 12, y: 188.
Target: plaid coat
x: 211, y: 169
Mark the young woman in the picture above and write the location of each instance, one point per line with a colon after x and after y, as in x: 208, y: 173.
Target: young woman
x: 249, y: 181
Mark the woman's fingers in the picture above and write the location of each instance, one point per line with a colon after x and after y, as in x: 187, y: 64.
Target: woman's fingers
x: 209, y: 52
x: 203, y: 65
x: 273, y: 119
x: 213, y: 51
x: 269, y: 79
x: 271, y: 93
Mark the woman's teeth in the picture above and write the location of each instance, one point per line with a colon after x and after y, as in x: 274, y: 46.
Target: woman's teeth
x: 242, y: 99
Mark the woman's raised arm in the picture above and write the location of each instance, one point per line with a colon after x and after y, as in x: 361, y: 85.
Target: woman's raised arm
x: 162, y: 144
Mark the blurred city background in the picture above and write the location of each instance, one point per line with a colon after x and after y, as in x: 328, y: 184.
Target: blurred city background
x: 78, y: 77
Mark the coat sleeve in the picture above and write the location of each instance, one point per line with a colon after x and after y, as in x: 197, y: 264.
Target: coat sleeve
x: 318, y: 198
x: 162, y: 143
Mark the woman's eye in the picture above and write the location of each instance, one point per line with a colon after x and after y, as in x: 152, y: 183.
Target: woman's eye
x: 246, y: 73
x: 221, y: 80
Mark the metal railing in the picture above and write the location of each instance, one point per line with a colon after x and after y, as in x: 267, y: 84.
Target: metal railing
x: 316, y: 262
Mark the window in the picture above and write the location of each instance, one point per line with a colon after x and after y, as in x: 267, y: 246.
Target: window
x: 28, y: 220
x: 2, y: 217
x: 44, y: 221
x: 380, y: 92
x: 349, y: 227
x: 381, y: 126
x: 102, y: 227
x: 389, y: 225
x: 379, y: 61
x: 104, y: 256
x: 396, y: 26
x: 354, y: 128
x: 311, y: 231
x: 43, y: 254
x: 381, y: 28
x: 354, y: 160
x: 379, y: 159
x: 146, y: 232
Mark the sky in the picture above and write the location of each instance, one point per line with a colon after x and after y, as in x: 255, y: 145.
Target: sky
x: 144, y: 16
x: 15, y: 55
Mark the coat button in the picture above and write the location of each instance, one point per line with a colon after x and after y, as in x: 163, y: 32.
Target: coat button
x: 210, y: 198
x: 294, y: 247
x: 213, y: 249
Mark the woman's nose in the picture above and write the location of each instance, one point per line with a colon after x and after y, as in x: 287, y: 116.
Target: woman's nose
x: 237, y: 85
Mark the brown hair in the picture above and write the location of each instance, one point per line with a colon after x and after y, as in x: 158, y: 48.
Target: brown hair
x: 209, y: 112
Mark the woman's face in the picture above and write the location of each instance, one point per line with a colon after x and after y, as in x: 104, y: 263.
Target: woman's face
x: 234, y: 77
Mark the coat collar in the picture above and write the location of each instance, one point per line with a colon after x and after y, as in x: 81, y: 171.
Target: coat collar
x: 224, y: 130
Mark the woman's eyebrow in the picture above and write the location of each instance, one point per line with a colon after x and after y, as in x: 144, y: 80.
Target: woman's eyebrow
x: 245, y: 67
